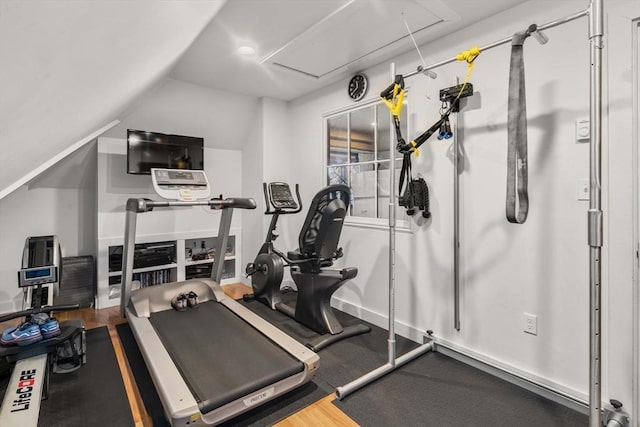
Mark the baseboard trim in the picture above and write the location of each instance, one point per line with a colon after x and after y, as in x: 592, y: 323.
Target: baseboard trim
x: 545, y: 391
x: 549, y: 390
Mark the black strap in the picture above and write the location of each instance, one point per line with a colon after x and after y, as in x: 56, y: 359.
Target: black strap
x: 405, y: 175
x: 517, y: 202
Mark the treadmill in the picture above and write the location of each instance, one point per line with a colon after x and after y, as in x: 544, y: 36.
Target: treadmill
x: 217, y: 360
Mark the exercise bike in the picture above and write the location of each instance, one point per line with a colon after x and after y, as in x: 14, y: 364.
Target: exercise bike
x: 318, y: 248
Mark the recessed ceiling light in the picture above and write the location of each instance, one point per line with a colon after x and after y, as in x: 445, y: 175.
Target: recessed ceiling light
x: 246, y: 50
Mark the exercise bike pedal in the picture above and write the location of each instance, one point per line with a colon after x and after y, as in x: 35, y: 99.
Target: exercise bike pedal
x: 249, y: 270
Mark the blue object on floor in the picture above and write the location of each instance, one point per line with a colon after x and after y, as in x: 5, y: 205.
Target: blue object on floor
x: 24, y: 334
x: 50, y: 328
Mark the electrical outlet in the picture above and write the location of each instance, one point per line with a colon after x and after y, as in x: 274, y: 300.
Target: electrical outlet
x: 530, y: 323
x: 582, y: 189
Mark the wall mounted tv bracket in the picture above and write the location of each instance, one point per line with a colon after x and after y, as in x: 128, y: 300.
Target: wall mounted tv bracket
x: 181, y: 184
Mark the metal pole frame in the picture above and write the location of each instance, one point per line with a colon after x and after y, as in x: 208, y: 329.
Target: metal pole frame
x: 595, y: 218
x: 456, y: 224
x: 595, y: 231
x: 393, y: 362
x: 391, y: 341
x: 128, y: 252
x: 221, y: 245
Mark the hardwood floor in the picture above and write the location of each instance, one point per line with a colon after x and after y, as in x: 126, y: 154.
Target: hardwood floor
x: 320, y: 413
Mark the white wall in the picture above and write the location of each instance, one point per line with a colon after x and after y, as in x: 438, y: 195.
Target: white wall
x: 252, y: 171
x: 225, y: 120
x: 620, y: 267
x: 61, y: 201
x: 276, y: 135
x: 267, y: 158
x: 540, y: 267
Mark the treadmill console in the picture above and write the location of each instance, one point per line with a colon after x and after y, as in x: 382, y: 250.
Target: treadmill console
x: 181, y: 184
x: 280, y: 196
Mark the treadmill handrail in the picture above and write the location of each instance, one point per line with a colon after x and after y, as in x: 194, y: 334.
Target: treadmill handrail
x: 141, y: 205
x: 145, y: 205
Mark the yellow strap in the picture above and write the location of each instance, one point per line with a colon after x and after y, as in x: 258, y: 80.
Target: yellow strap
x: 413, y: 149
x: 469, y: 56
x: 396, y: 103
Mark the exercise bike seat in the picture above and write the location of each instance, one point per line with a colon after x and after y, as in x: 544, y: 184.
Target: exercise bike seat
x: 320, y: 234
x: 295, y: 255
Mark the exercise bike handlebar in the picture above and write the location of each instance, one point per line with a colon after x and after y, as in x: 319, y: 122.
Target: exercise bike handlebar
x: 280, y: 211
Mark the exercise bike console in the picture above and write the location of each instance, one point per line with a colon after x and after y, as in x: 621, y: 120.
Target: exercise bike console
x: 280, y: 197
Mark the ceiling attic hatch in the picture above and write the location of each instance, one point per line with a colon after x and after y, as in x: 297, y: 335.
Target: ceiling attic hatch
x: 359, y: 32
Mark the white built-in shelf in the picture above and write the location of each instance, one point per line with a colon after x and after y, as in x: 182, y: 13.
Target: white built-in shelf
x: 109, y: 293
x: 146, y: 269
x: 206, y: 261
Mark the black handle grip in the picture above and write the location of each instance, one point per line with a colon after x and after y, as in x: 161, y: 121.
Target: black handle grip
x: 266, y: 199
x: 238, y: 203
x: 388, y: 92
x: 48, y: 309
x: 299, y: 199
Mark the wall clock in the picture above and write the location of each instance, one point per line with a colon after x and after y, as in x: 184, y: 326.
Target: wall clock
x: 358, y: 86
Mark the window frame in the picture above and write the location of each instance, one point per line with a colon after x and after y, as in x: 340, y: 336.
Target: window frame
x: 360, y: 221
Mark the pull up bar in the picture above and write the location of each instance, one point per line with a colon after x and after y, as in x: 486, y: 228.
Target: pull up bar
x: 537, y: 33
x: 595, y: 237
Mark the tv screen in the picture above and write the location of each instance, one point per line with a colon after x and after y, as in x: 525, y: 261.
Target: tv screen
x: 146, y: 150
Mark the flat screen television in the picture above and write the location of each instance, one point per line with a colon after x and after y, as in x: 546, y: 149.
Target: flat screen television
x: 146, y: 150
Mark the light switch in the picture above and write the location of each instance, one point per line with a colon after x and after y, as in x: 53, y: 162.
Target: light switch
x: 583, y: 130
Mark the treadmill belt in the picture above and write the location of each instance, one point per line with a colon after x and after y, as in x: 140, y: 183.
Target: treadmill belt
x: 220, y: 356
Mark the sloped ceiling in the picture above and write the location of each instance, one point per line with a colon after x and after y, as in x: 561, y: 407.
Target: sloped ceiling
x: 304, y: 45
x: 70, y: 67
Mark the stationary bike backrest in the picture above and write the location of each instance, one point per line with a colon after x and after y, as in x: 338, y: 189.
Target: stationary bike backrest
x: 320, y: 233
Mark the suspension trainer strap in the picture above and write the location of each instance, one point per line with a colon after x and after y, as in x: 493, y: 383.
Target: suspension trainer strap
x: 405, y: 175
x: 393, y: 97
x: 517, y: 203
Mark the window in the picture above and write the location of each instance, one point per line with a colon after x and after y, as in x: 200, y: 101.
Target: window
x: 358, y: 155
